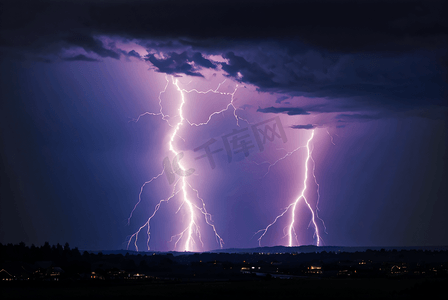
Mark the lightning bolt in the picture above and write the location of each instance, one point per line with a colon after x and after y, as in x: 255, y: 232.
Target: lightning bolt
x: 192, y: 204
x: 331, y: 137
x: 140, y: 195
x: 147, y: 223
x: 215, y: 91
x: 292, y: 237
x: 191, y: 234
x: 160, y: 113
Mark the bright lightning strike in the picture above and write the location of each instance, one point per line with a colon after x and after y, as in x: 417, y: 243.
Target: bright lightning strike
x: 292, y: 237
x: 190, y: 235
x: 302, y: 196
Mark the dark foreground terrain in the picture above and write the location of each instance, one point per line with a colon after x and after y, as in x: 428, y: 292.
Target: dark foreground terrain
x: 254, y: 288
x: 58, y: 272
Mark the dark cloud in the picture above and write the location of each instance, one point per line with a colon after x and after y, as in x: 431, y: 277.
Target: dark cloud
x: 176, y: 63
x: 384, y: 55
x: 129, y: 54
x: 292, y: 111
x: 203, y: 62
x: 357, y: 117
x: 343, y: 26
x: 281, y: 99
x: 398, y: 82
x: 246, y: 71
x: 337, y: 25
x: 307, y: 126
x: 81, y: 57
x: 134, y: 53
x: 245, y: 106
x: 90, y: 44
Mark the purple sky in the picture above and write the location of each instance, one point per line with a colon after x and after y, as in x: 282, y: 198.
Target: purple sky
x: 371, y: 85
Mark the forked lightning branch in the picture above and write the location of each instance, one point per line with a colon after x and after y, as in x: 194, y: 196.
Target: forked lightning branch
x: 237, y: 142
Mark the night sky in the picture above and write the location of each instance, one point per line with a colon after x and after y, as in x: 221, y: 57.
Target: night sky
x: 94, y: 93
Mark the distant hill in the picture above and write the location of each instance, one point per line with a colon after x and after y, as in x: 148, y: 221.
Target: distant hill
x: 280, y: 249
x: 316, y: 249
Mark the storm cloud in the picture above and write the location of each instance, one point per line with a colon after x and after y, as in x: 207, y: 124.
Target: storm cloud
x: 307, y: 126
x: 292, y: 111
x: 384, y: 55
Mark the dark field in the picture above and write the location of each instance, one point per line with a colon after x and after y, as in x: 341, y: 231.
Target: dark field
x: 266, y: 289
